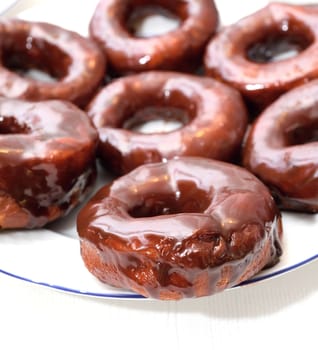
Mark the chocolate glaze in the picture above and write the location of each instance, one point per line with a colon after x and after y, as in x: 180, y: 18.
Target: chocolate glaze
x: 75, y: 62
x: 175, y: 50
x: 282, y: 148
x: 188, y: 227
x: 47, y: 161
x: 216, y: 114
x: 243, y: 54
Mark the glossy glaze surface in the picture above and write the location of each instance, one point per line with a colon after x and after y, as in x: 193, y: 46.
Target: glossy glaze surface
x: 188, y: 227
x: 178, y: 49
x: 282, y: 148
x: 75, y: 64
x: 47, y: 161
x: 233, y: 55
x: 216, y: 113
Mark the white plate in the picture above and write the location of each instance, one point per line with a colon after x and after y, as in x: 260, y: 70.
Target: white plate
x: 5, y: 5
x: 51, y: 257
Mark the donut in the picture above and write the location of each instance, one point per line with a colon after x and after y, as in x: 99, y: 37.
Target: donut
x: 212, y: 115
x: 185, y: 228
x: 175, y: 50
x: 74, y: 65
x: 282, y: 148
x: 267, y: 53
x: 47, y: 161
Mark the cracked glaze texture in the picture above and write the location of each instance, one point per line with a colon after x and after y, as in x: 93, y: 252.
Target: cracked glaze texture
x: 217, y: 119
x: 174, y: 50
x: 76, y: 64
x: 47, y: 161
x: 282, y: 148
x: 188, y: 227
x: 277, y: 27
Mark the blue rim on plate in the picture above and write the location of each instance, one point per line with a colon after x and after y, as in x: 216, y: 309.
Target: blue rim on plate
x: 128, y: 295
x: 75, y: 291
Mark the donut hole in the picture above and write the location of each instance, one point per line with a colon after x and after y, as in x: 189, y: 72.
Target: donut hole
x: 188, y: 198
x: 158, y: 119
x: 151, y: 18
x: 285, y: 41
x: 34, y: 58
x: 303, y: 134
x: 10, y: 125
x: 159, y: 115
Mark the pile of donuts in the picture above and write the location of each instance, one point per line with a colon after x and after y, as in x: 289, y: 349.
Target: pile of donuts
x: 192, y: 211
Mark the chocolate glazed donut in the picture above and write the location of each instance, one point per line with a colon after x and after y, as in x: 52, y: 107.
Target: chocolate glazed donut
x: 185, y: 228
x: 249, y: 55
x: 213, y: 117
x: 47, y: 161
x: 282, y: 148
x: 174, y: 50
x: 75, y: 64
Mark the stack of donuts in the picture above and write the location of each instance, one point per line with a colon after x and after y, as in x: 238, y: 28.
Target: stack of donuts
x: 190, y: 211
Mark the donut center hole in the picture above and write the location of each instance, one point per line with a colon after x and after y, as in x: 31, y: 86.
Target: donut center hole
x: 151, y: 20
x: 10, y: 125
x: 34, y: 58
x: 282, y: 43
x: 153, y: 119
x: 303, y: 134
x: 188, y: 198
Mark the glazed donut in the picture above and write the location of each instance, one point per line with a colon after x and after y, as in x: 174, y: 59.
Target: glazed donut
x: 184, y: 228
x: 75, y: 64
x: 174, y: 50
x: 213, y: 117
x: 246, y: 54
x: 282, y: 148
x: 47, y: 161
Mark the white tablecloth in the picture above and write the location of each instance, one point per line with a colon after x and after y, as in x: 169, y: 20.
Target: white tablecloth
x: 276, y: 313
